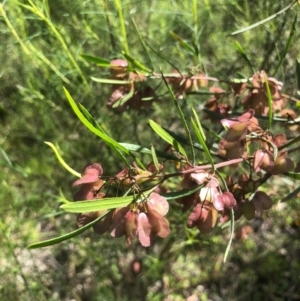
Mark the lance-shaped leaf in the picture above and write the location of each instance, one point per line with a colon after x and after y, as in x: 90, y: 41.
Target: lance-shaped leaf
x: 167, y: 137
x: 62, y: 162
x: 136, y: 63
x: 97, y: 205
x: 56, y: 240
x: 109, y: 141
x: 111, y: 81
x: 201, y: 137
x: 100, y: 62
x: 264, y: 20
x: 144, y: 150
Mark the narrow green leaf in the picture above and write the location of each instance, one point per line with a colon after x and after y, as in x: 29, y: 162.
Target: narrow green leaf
x: 92, y: 121
x: 111, y: 81
x: 291, y: 195
x: 161, y: 56
x: 89, y: 117
x: 167, y: 137
x: 264, y: 20
x: 182, y: 118
x: 154, y: 158
x: 100, y: 62
x: 183, y: 43
x: 97, y: 205
x: 136, y: 63
x: 144, y: 150
x: 109, y: 141
x: 62, y: 161
x: 183, y: 140
x: 143, y: 44
x: 270, y: 103
x: 293, y: 175
x: 56, y: 240
x: 181, y: 193
x: 201, y: 137
x: 287, y: 46
x: 244, y: 56
x: 231, y: 235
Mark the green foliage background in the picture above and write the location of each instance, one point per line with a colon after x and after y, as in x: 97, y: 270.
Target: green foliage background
x: 40, y: 52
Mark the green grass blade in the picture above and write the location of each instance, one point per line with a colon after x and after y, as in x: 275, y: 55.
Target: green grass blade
x: 287, y: 46
x: 167, y: 137
x: 240, y: 49
x: 97, y: 205
x: 123, y: 36
x: 231, y: 235
x: 143, y: 44
x: 264, y: 20
x: 56, y: 240
x: 62, y: 162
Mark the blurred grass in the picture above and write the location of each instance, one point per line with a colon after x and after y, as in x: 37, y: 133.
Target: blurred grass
x: 40, y: 53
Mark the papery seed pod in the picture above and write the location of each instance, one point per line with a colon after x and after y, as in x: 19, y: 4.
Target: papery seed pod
x: 118, y: 224
x: 160, y: 225
x: 144, y: 230
x: 224, y: 200
x: 282, y: 165
x: 208, y: 218
x: 131, y: 226
x: 264, y: 199
x: 118, y: 68
x: 103, y: 225
x: 91, y: 174
x: 194, y: 216
x: 263, y: 159
x: 158, y: 203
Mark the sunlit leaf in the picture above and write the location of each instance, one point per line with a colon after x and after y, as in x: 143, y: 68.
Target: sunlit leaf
x: 167, y: 137
x: 62, y: 162
x: 97, y: 205
x: 154, y: 158
x: 201, y: 137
